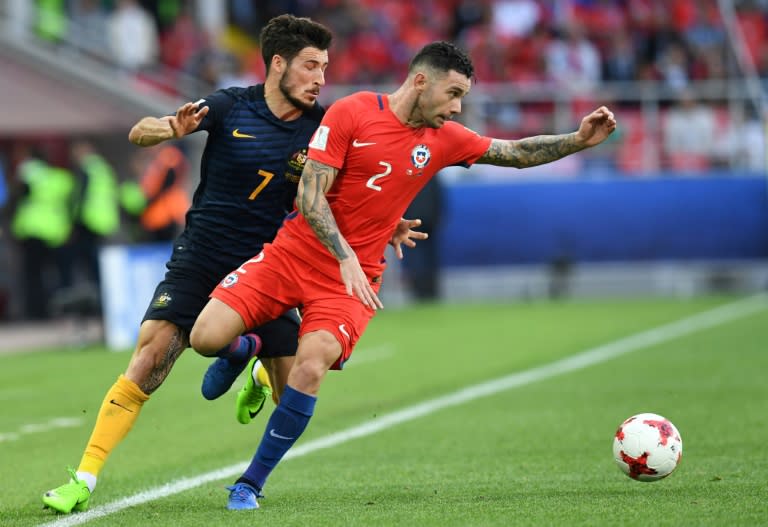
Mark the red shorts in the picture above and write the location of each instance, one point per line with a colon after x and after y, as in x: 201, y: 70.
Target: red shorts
x: 275, y: 280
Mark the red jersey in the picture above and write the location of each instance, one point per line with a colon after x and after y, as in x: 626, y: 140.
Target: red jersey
x: 382, y: 165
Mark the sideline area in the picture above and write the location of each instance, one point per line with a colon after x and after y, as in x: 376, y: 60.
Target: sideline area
x: 18, y: 337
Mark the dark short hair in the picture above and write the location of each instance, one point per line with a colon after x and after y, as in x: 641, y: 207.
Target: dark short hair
x: 287, y: 35
x: 443, y: 56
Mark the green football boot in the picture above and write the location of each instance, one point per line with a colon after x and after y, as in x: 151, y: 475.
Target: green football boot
x: 250, y: 399
x: 72, y: 496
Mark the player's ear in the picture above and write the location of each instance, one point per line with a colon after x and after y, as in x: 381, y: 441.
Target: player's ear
x: 278, y: 63
x: 420, y: 81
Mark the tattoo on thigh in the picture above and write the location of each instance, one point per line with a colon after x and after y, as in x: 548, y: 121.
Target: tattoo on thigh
x: 176, y: 344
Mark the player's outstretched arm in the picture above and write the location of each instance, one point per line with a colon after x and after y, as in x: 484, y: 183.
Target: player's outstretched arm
x: 540, y: 149
x: 150, y: 131
x: 316, y: 179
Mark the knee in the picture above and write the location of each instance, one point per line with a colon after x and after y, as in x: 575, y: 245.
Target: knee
x: 159, y: 345
x: 317, y: 353
x: 215, y: 327
x: 203, y: 338
x: 145, y: 358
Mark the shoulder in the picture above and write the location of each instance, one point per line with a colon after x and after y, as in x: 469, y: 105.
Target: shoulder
x: 254, y: 92
x: 454, y: 128
x: 224, y: 101
x: 361, y: 100
x: 455, y: 132
x: 229, y: 96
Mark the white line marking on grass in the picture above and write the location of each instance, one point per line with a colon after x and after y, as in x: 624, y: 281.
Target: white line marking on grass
x: 34, y: 428
x: 644, y: 339
x: 366, y: 356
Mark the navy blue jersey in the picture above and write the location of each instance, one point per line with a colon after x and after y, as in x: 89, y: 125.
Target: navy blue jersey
x: 249, y: 174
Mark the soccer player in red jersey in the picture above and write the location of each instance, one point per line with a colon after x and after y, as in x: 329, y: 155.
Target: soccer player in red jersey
x: 369, y: 157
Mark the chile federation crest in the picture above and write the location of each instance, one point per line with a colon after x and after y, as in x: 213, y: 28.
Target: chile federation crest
x: 420, y: 156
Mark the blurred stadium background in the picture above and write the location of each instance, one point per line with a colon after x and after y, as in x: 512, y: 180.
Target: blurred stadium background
x: 674, y: 204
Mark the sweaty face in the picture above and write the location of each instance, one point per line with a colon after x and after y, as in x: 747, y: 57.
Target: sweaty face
x: 441, y: 99
x: 301, y: 81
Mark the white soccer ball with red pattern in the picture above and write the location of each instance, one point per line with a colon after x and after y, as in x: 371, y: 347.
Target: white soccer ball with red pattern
x: 647, y: 447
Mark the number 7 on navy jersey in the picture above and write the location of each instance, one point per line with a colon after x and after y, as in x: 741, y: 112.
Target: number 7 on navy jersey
x: 267, y: 177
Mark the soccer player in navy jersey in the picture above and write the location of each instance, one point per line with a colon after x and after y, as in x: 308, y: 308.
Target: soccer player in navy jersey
x: 250, y: 168
x: 371, y: 155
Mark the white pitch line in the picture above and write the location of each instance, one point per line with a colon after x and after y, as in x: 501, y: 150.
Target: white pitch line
x: 644, y: 339
x: 35, y: 428
x: 370, y: 355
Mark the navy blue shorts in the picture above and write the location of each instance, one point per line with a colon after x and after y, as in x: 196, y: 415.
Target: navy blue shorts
x: 185, y: 291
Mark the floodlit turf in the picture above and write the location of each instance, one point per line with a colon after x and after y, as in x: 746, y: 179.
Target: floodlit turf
x: 539, y: 454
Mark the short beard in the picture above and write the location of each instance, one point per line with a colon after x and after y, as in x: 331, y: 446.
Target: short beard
x: 298, y: 103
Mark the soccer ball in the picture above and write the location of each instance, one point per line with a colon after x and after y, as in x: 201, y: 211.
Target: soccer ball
x: 647, y: 447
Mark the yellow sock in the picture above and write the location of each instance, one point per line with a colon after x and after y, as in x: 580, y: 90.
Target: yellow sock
x: 118, y: 412
x: 262, y: 377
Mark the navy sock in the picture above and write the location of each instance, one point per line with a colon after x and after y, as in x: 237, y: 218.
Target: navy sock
x: 238, y: 350
x: 284, y: 427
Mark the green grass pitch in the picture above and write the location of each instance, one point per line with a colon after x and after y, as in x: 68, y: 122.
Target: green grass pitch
x: 537, y: 454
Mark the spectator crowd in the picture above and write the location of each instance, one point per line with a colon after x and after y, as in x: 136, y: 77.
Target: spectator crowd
x: 575, y: 44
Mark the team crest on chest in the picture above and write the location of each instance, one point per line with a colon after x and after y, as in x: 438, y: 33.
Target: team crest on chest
x: 296, y: 166
x: 420, y: 156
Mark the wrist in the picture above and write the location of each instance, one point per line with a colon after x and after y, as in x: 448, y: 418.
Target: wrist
x: 577, y: 141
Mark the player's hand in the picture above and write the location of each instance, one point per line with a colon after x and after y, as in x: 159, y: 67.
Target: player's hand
x: 404, y: 234
x: 596, y: 127
x: 357, y: 283
x: 187, y: 118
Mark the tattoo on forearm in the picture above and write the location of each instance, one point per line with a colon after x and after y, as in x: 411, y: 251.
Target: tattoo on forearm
x: 313, y: 205
x: 176, y: 345
x: 530, y: 151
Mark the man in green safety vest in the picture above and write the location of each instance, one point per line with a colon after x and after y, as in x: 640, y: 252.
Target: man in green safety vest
x: 42, y: 224
x: 97, y: 210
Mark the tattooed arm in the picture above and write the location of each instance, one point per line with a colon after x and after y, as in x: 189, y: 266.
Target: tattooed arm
x: 532, y: 151
x: 316, y: 179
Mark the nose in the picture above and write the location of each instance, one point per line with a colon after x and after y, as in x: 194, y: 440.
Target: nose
x: 456, y: 107
x: 320, y: 78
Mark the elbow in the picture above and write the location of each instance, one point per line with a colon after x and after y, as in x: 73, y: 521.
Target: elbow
x: 135, y: 135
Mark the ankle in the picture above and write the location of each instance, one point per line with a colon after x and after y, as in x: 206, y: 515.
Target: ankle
x: 89, y: 479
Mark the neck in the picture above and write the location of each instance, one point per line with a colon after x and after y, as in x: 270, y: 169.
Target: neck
x: 281, y: 107
x: 403, y: 103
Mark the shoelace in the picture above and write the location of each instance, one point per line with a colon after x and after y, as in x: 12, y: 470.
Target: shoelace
x: 242, y: 493
x: 73, y: 475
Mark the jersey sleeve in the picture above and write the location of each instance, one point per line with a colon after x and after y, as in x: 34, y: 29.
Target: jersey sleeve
x: 463, y: 146
x: 331, y: 140
x: 219, y: 104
